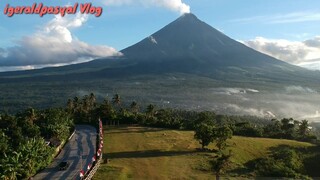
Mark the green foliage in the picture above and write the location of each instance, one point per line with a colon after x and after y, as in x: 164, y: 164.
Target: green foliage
x: 23, y: 150
x: 247, y: 129
x: 289, y: 129
x: 204, y: 133
x: 205, y: 117
x: 284, y: 162
x: 55, y: 123
x: 25, y: 161
x: 83, y: 110
x: 220, y: 163
x: 150, y: 111
x: 221, y: 135
x: 4, y: 140
x: 304, y: 129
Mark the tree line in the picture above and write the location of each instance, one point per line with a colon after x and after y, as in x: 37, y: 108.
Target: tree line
x: 113, y: 112
x: 24, y: 147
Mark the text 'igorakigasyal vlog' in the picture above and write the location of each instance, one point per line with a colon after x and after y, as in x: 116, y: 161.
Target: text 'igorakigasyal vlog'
x: 41, y: 9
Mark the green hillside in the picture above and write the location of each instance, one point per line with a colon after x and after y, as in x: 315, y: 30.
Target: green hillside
x: 144, y: 153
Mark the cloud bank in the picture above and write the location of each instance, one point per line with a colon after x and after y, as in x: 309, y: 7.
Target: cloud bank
x: 294, y: 52
x: 53, y: 44
x: 173, y: 5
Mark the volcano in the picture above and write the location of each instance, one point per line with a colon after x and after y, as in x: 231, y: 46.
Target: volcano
x: 187, y: 49
x: 187, y: 45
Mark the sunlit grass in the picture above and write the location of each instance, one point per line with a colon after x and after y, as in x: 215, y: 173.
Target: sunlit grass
x: 144, y: 153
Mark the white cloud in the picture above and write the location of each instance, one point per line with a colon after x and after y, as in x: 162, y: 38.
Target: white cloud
x: 295, y: 17
x: 315, y: 42
x: 294, y: 52
x: 53, y: 44
x: 173, y: 5
x: 299, y: 89
x: 233, y: 91
x: 248, y: 110
x: 313, y: 65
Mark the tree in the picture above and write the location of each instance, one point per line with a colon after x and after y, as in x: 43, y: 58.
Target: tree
x: 116, y: 99
x: 303, y: 129
x: 205, y: 117
x: 222, y: 120
x: 134, y: 107
x: 288, y: 128
x: 150, y: 110
x: 3, y: 143
x: 273, y: 130
x: 204, y: 133
x: 284, y: 162
x: 221, y: 135
x: 70, y: 106
x: 55, y: 123
x: 35, y: 154
x: 92, y: 101
x: 107, y: 112
x: 220, y: 163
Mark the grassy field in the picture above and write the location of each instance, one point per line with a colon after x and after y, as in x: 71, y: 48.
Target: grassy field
x: 150, y: 153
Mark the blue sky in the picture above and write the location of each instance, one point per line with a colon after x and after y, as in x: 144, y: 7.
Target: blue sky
x: 274, y: 27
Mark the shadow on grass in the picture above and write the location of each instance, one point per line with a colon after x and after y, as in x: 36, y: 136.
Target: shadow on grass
x: 126, y: 130
x: 147, y: 154
x: 311, y: 158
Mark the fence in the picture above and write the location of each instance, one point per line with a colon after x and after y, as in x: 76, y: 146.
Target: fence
x: 94, y: 169
x: 90, y: 173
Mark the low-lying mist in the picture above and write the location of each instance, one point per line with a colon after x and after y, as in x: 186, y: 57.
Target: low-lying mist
x: 291, y: 101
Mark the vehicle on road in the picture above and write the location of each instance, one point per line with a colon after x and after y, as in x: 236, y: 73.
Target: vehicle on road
x: 63, y: 165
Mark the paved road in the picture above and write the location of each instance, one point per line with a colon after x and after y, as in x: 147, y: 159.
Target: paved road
x: 82, y: 143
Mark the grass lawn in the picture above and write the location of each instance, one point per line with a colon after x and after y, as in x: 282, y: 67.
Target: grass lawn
x: 151, y: 153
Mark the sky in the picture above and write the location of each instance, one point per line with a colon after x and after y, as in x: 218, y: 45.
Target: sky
x: 286, y: 29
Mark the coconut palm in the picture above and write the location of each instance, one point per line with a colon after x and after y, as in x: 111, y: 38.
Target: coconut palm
x: 116, y: 99
x: 303, y: 129
x: 150, y: 110
x: 134, y: 107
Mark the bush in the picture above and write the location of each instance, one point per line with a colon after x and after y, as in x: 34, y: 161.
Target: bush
x: 284, y: 162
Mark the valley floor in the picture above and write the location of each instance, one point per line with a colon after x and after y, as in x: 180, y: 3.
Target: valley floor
x: 151, y: 153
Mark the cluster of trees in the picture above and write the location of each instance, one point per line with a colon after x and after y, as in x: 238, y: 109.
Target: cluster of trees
x: 207, y: 131
x: 218, y: 132
x: 284, y: 162
x: 23, y: 147
x: 114, y: 112
x: 289, y: 129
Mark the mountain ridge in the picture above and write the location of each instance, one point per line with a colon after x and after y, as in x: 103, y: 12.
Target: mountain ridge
x: 183, y: 63
x: 188, y: 44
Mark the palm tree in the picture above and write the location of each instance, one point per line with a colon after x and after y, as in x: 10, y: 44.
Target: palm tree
x: 76, y: 104
x: 287, y: 126
x: 304, y: 129
x: 150, y: 110
x: 117, y: 101
x: 134, y: 107
x: 31, y: 115
x: 92, y: 101
x: 70, y: 106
